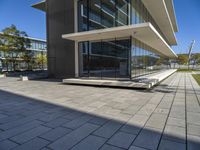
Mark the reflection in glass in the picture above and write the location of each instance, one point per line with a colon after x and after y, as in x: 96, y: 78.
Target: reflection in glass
x: 115, y: 58
x: 106, y: 58
x: 144, y: 60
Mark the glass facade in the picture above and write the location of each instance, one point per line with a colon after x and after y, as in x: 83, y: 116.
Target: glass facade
x: 98, y: 14
x: 139, y: 14
x: 144, y: 60
x: 105, y: 59
x: 114, y: 58
x: 38, y: 45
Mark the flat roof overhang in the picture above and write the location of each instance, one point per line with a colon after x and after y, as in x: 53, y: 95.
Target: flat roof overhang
x: 144, y: 32
x: 40, y: 6
x: 172, y: 14
x: 159, y: 11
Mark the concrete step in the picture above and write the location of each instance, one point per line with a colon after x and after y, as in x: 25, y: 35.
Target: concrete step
x: 144, y: 82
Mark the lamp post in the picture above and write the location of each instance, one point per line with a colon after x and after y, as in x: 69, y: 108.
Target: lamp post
x: 42, y: 59
x: 189, y: 53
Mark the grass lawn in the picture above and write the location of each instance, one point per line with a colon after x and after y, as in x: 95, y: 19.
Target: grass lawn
x: 197, y: 78
x: 186, y: 70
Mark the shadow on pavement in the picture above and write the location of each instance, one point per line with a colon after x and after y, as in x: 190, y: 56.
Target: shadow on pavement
x: 28, y: 123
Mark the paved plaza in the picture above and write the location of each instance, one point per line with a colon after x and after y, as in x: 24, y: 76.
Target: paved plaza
x: 48, y: 115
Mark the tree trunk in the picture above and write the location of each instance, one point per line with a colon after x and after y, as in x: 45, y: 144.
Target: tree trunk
x: 14, y: 65
x: 7, y: 65
x: 28, y: 65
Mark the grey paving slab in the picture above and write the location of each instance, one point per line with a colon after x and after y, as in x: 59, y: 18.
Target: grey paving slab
x: 50, y: 117
x: 131, y: 109
x: 30, y: 134
x: 73, y: 115
x: 7, y: 145
x: 165, y: 104
x: 176, y: 122
x: 110, y: 147
x: 148, y: 138
x: 161, y: 111
x: 194, y: 108
x: 77, y: 122
x: 147, y: 109
x: 74, y: 137
x: 108, y: 129
x: 56, y: 122
x: 177, y: 114
x: 156, y: 121
x: 193, y: 118
x: 193, y: 129
x: 135, y: 124
x: 132, y: 129
x: 136, y: 148
x: 15, y: 131
x: 175, y: 133
x: 56, y: 133
x: 98, y: 120
x: 35, y: 144
x: 91, y: 142
x: 19, y: 122
x: 10, y: 118
x: 45, y: 148
x: 193, y: 142
x: 171, y: 145
x: 121, y: 139
x: 95, y: 114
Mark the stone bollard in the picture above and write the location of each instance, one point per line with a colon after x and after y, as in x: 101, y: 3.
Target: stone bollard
x: 23, y: 78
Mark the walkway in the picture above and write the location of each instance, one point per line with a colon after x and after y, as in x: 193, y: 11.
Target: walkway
x: 49, y: 115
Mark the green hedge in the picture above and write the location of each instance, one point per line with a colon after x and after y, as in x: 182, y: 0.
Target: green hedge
x: 197, y: 78
x: 186, y: 70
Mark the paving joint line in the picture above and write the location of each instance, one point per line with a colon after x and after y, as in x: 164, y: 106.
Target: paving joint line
x: 168, y: 114
x: 186, y: 128
x: 126, y: 123
x: 171, y: 83
x: 81, y: 139
x: 198, y: 100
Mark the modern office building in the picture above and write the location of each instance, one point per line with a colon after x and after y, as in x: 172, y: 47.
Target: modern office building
x: 109, y: 38
x: 37, y: 46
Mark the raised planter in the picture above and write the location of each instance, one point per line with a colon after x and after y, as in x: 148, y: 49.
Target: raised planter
x: 33, y: 77
x: 23, y: 78
x: 2, y: 75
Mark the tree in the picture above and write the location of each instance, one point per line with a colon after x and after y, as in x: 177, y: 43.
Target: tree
x: 160, y: 61
x: 183, y: 59
x: 196, y: 59
x: 13, y: 42
x: 41, y: 60
x: 27, y: 57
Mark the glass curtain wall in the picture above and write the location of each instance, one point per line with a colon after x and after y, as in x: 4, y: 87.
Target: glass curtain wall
x: 139, y: 14
x: 105, y: 58
x: 115, y: 58
x: 99, y: 14
x: 144, y: 60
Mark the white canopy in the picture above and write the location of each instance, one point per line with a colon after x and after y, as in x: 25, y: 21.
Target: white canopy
x: 144, y: 32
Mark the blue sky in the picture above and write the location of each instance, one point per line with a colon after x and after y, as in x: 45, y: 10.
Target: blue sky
x: 32, y: 21
x: 26, y: 18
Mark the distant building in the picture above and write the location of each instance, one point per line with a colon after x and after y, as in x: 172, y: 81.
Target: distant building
x: 37, y: 46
